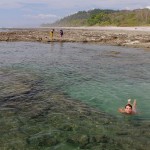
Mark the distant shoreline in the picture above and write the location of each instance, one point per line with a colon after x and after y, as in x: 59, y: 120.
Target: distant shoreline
x: 121, y: 36
x: 137, y: 28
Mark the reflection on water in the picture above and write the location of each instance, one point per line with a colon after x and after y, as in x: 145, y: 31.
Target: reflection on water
x: 41, y: 86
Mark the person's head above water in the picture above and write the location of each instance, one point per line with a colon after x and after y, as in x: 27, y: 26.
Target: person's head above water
x: 128, y: 109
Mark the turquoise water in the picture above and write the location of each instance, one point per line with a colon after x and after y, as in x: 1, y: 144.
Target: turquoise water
x: 102, y: 76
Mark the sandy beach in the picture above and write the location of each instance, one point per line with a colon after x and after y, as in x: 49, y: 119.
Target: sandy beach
x: 121, y: 36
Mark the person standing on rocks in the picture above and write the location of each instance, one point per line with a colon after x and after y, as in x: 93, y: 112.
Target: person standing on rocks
x: 61, y: 33
x: 52, y: 34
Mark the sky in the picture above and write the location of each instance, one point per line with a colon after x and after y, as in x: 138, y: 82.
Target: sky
x: 33, y: 13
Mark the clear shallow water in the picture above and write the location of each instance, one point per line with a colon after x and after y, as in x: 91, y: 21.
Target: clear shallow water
x: 41, y: 86
x: 102, y: 76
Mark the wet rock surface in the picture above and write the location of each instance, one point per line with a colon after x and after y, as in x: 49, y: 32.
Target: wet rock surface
x: 114, y: 37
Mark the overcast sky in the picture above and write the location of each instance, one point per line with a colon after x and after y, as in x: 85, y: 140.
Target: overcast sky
x: 32, y: 13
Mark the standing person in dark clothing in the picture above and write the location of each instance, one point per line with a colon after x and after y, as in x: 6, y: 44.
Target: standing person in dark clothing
x: 61, y: 33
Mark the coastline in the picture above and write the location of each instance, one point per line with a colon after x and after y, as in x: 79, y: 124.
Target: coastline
x: 138, y: 37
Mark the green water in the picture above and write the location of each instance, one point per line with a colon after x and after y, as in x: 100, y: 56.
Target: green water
x: 33, y: 74
x: 103, y: 76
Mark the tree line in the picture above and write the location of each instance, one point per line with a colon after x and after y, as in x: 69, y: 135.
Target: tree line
x: 98, y: 17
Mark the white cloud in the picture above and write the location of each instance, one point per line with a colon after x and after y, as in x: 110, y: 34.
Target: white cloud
x: 148, y: 7
x: 42, y: 16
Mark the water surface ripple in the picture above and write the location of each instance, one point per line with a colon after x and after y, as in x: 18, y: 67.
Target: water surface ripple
x: 104, y: 77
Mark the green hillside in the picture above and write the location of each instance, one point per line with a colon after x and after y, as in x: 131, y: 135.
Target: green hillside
x: 98, y: 17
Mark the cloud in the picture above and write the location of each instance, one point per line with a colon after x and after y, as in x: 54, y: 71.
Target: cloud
x: 102, y: 4
x: 9, y: 5
x: 42, y: 16
x: 37, y: 20
x: 148, y: 7
x: 80, y: 4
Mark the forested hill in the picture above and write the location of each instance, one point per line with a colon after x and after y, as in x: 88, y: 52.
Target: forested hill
x: 98, y: 17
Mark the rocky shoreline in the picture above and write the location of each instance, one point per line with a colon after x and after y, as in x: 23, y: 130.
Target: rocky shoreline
x: 131, y: 38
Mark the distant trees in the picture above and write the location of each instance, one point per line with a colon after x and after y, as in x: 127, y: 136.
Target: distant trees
x: 98, y: 17
x: 121, y: 18
x: 143, y: 15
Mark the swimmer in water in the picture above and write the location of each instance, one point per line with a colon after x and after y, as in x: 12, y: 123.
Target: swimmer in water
x: 129, y: 109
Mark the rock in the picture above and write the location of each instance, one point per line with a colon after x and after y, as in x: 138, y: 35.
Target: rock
x: 112, y: 37
x: 46, y: 139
